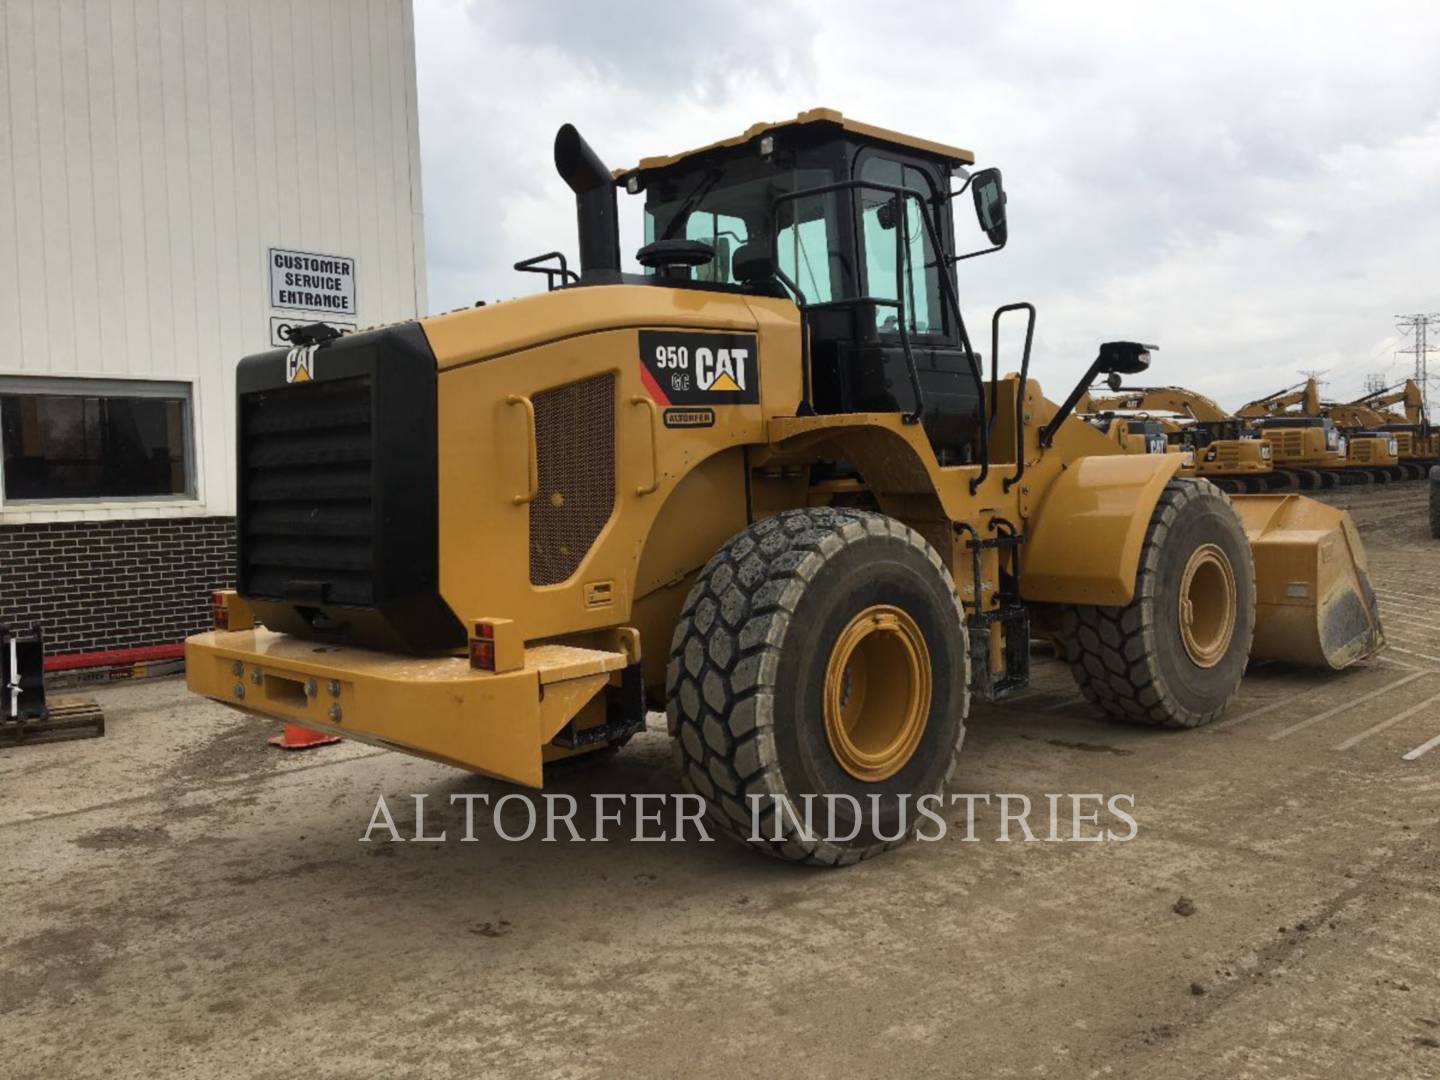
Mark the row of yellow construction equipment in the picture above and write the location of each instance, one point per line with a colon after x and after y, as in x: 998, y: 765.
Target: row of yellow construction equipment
x: 767, y: 486
x: 1287, y: 441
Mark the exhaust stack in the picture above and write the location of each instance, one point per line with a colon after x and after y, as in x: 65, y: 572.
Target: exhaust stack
x: 596, y: 212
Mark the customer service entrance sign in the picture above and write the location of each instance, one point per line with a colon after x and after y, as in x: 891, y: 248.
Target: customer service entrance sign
x: 308, y: 281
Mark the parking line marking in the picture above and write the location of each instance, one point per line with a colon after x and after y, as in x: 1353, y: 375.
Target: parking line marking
x: 1232, y: 721
x: 1412, y: 652
x: 1386, y: 724
x: 1423, y: 748
x: 1406, y: 595
x: 1413, y: 613
x: 1318, y: 717
x: 1411, y: 617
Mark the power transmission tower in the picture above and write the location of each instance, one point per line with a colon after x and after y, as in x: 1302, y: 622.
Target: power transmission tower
x: 1313, y: 374
x: 1375, y: 383
x: 1417, y: 327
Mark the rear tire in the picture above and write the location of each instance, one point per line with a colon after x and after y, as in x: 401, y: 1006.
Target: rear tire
x: 1174, y: 656
x: 1435, y: 502
x: 755, y: 694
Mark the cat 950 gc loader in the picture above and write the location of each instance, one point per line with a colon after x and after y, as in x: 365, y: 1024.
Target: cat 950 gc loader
x: 766, y: 485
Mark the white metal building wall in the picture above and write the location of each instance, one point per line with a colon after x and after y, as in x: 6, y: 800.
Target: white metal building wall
x: 152, y: 151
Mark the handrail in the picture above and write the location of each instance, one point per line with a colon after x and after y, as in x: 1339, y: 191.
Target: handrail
x: 1011, y: 481
x: 563, y: 271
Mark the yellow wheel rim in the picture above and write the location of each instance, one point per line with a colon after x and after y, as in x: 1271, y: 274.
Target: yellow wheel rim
x: 1207, y: 605
x: 877, y: 693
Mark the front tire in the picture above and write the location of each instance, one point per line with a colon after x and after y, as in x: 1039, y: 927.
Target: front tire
x: 1174, y: 656
x: 822, y: 652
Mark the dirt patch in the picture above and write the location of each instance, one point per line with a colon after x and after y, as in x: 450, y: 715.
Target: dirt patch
x: 120, y: 836
x: 233, y: 753
x: 56, y: 964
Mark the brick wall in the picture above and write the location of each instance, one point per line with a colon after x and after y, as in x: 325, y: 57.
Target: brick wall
x: 114, y: 584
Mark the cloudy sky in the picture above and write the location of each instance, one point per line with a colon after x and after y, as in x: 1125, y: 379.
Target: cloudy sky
x: 1253, y: 186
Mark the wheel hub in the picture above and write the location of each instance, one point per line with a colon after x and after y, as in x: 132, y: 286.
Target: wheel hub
x: 877, y: 693
x: 1207, y: 605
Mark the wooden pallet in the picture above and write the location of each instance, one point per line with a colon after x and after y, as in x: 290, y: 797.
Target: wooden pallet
x: 66, y: 718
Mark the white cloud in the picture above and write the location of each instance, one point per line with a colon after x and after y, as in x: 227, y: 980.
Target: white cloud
x: 1251, y: 186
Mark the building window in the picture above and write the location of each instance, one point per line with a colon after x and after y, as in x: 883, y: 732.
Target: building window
x: 95, y: 440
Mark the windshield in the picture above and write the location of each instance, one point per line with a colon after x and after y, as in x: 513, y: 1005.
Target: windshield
x: 729, y: 210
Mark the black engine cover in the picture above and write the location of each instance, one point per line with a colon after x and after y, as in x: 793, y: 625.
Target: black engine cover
x: 337, y: 494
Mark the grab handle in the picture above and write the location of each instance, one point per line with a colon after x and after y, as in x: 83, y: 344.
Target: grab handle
x: 533, y: 455
x: 649, y: 489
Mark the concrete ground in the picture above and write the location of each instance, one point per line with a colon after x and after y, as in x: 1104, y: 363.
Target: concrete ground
x: 177, y: 899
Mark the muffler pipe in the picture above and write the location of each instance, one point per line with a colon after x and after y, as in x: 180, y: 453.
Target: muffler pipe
x: 595, y: 203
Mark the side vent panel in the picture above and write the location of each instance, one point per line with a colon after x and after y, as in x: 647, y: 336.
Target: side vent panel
x: 575, y: 442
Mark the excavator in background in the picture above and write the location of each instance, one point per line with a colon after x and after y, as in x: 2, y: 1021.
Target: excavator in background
x: 1417, y: 444
x: 1311, y: 448
x: 1195, y: 424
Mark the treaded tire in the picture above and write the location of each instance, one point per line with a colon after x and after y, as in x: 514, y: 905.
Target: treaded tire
x: 1435, y: 502
x: 745, y: 680
x: 1130, y: 662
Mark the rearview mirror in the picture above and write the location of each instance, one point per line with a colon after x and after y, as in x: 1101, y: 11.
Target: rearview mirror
x: 1124, y: 357
x: 989, y: 194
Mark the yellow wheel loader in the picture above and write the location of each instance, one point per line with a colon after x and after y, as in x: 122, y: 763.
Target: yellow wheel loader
x: 765, y: 485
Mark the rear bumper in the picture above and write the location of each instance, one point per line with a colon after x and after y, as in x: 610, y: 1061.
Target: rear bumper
x: 438, y: 708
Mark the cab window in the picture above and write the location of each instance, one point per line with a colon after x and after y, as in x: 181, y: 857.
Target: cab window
x: 920, y: 277
x: 731, y: 209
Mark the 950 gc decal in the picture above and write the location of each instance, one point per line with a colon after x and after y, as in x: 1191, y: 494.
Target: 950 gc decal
x: 700, y: 368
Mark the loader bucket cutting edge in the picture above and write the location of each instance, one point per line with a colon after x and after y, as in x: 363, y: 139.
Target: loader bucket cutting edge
x: 1314, y: 604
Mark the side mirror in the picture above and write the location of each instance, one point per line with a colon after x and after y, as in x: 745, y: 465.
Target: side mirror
x: 1124, y: 357
x: 1116, y: 358
x: 989, y: 193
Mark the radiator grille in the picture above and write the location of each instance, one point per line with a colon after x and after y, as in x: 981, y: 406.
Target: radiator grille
x: 575, y: 443
x: 1227, y: 453
x: 305, y: 491
x: 1290, y: 444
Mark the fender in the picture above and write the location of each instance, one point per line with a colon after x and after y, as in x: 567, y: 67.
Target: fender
x: 1086, y: 534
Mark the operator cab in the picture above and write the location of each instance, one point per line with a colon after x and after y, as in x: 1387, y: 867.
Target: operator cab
x: 853, y: 223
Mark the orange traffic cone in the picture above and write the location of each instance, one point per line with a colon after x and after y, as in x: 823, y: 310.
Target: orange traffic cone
x: 296, y: 737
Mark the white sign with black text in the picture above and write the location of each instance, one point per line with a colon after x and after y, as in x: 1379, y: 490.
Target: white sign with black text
x: 308, y: 281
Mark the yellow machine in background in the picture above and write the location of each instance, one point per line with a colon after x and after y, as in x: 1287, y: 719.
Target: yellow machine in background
x: 1221, y: 451
x: 765, y: 485
x: 1416, y: 445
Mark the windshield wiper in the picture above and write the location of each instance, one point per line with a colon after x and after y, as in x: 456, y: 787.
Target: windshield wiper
x: 701, y: 190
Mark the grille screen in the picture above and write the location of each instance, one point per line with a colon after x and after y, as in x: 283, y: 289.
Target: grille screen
x: 305, y: 500
x: 1289, y: 443
x: 575, y: 443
